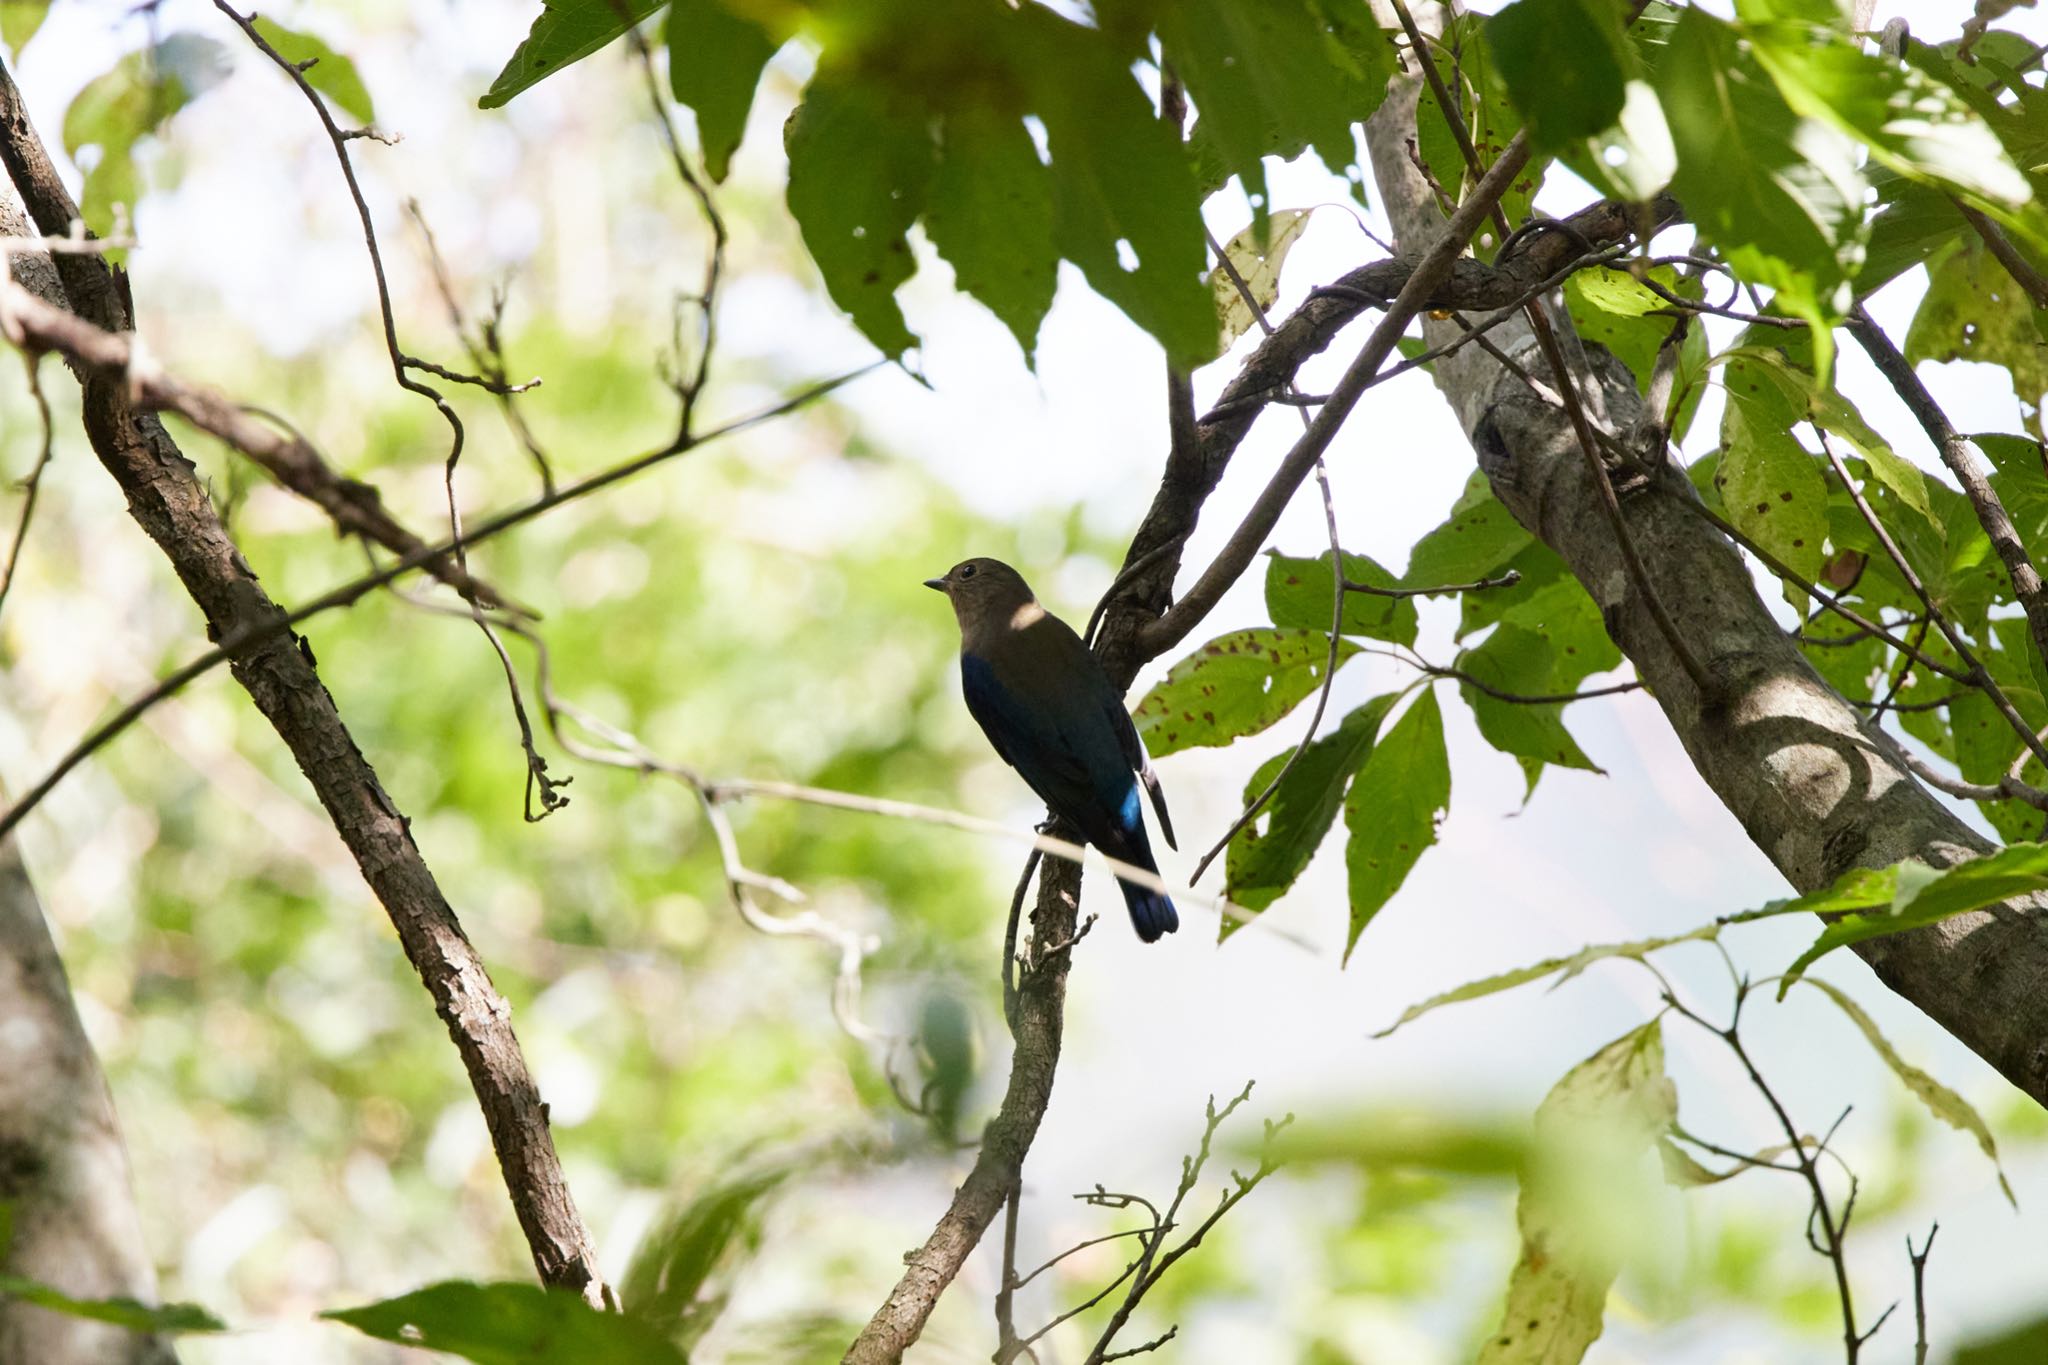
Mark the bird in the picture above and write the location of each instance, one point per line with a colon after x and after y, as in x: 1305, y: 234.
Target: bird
x: 1044, y: 702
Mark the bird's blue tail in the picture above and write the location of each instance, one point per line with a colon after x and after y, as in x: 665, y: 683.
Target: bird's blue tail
x: 1151, y: 912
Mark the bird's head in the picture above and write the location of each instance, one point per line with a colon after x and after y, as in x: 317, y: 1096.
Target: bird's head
x: 987, y: 594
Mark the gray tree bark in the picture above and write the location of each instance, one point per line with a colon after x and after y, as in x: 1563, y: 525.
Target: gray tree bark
x: 63, y: 1170
x: 1817, y: 790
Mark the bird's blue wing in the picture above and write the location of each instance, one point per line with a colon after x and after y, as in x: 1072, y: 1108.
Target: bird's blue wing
x: 1029, y: 738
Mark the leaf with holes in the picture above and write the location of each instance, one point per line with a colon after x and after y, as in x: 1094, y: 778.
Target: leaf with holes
x: 1771, y: 486
x: 991, y: 216
x: 1582, y: 1200
x: 1257, y: 258
x: 858, y: 171
x: 1235, y: 685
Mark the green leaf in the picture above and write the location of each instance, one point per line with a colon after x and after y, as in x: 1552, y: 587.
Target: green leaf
x: 1392, y: 810
x: 139, y: 1317
x: 1402, y: 1139
x: 1614, y: 309
x: 1915, y: 222
x: 1973, y: 311
x: 1467, y: 63
x: 332, y: 74
x: 1126, y: 210
x: 2020, y: 479
x: 1582, y: 1198
x: 1273, y: 77
x: 1564, y: 968
x: 1298, y: 594
x: 1235, y: 685
x: 1257, y: 257
x: 1633, y: 159
x: 1526, y: 662
x: 1270, y: 854
x: 1476, y: 540
x: 1771, y: 487
x: 715, y: 58
x: 1912, y: 124
x: 510, y: 1324
x: 669, y: 1284
x: 19, y: 20
x: 991, y: 216
x: 1565, y: 63
x: 1942, y: 1102
x: 1839, y: 416
x: 2016, y: 870
x: 858, y: 171
x: 133, y: 100
x: 564, y: 32
x: 1781, y: 195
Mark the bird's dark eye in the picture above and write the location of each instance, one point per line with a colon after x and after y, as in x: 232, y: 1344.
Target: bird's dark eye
x: 966, y: 571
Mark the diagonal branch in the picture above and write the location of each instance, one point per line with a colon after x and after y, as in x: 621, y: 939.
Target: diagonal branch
x: 166, y: 497
x: 355, y: 508
x: 1955, y: 453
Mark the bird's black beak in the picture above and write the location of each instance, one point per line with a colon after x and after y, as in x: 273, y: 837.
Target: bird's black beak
x: 936, y: 584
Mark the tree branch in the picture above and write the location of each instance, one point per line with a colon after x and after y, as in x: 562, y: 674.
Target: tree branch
x: 167, y: 499
x: 1817, y: 791
x: 354, y: 507
x: 1955, y: 453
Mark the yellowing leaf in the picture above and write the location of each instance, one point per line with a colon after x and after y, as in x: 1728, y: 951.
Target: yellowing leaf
x: 1258, y: 265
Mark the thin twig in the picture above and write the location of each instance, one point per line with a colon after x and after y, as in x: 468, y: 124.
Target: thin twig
x: 1954, y: 450
x: 234, y: 645
x: 1919, y: 1260
x: 1979, y: 675
x: 34, y: 481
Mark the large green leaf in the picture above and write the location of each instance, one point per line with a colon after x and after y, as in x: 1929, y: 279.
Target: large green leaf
x: 1566, y: 64
x: 1973, y: 311
x: 1912, y: 124
x: 1392, y: 810
x: 1478, y: 538
x: 991, y: 216
x: 564, y: 32
x: 1543, y: 647
x: 715, y: 59
x: 1273, y: 77
x: 859, y: 167
x: 1235, y: 685
x: 19, y: 20
x: 1770, y: 485
x: 1298, y: 593
x: 1582, y: 1199
x: 326, y: 70
x: 510, y: 1324
x: 1921, y: 896
x: 133, y: 100
x: 1126, y: 210
x: 1781, y: 195
x: 1270, y: 854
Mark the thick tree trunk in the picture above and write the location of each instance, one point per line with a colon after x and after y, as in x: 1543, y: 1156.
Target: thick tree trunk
x: 1817, y: 790
x: 63, y: 1170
